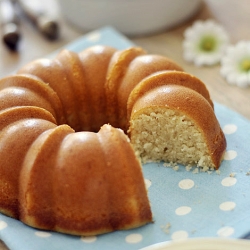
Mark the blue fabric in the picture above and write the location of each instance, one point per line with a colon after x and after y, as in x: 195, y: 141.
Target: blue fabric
x: 184, y: 204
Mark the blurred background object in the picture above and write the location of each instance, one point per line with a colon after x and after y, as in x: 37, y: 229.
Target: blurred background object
x: 9, y: 20
x: 41, y: 17
x: 131, y: 17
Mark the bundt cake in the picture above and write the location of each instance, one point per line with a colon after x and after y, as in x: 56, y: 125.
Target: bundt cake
x: 88, y: 183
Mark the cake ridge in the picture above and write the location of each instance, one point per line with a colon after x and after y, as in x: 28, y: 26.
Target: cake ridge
x: 71, y: 65
x: 38, y: 173
x: 135, y: 195
x: 166, y: 77
x: 51, y: 71
x: 15, y: 87
x: 18, y: 121
x: 68, y: 97
x: 117, y: 69
x: 95, y: 61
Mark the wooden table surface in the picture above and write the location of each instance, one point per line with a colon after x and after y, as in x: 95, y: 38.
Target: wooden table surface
x: 233, y: 15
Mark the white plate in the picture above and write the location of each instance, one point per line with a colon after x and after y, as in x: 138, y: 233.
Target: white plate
x: 202, y: 244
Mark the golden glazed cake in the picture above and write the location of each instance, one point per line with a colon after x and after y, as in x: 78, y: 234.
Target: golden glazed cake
x: 90, y: 181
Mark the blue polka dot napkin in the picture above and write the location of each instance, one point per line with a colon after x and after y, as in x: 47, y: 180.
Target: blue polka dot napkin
x: 185, y: 204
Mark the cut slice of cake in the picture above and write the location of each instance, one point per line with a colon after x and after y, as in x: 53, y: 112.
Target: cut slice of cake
x: 176, y: 124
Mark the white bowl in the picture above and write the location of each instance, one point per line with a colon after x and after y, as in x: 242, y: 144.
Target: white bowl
x: 202, y: 244
x: 131, y: 17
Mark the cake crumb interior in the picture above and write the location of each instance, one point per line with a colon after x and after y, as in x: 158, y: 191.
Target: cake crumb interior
x: 163, y: 134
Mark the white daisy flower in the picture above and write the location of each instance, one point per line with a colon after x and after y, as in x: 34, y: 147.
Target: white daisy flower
x: 204, y: 43
x: 235, y: 65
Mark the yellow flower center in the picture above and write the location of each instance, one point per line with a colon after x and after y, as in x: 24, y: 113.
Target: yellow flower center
x: 245, y: 65
x: 207, y: 44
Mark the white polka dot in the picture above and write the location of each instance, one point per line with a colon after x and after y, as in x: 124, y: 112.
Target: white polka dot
x: 147, y: 183
x: 225, y: 231
x: 179, y: 235
x: 230, y: 155
x: 94, y: 37
x: 3, y: 224
x: 228, y: 181
x: 229, y: 129
x: 88, y: 239
x: 133, y: 238
x: 183, y: 210
x: 186, y: 184
x: 227, y: 206
x: 42, y: 234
